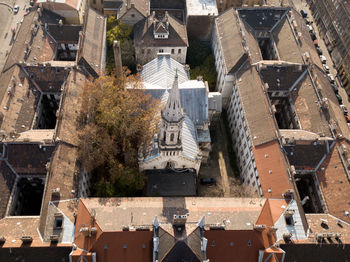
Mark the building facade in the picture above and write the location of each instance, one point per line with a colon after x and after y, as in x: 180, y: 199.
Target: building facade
x: 333, y: 21
x: 160, y: 34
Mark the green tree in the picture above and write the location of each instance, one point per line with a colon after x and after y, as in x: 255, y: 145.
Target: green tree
x: 116, y: 121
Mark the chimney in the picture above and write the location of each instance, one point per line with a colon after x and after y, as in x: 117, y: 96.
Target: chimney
x: 60, y: 22
x: 128, y: 4
x: 117, y: 58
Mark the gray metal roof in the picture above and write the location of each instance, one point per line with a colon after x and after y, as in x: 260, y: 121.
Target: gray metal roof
x: 189, y: 142
x: 161, y: 71
x: 189, y: 139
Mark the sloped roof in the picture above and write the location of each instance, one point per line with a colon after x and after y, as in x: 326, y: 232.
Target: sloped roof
x: 272, y: 169
x: 65, y: 33
x: 93, y: 41
x: 262, y: 19
x: 161, y: 71
x: 140, y: 5
x: 158, y: 75
x: 229, y: 36
x: 143, y: 34
x: 259, y: 120
x: 282, y: 76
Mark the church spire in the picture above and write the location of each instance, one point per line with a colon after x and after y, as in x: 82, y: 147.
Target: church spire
x: 172, y: 118
x: 173, y: 110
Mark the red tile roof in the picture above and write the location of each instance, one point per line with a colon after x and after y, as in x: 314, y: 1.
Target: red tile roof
x: 272, y: 169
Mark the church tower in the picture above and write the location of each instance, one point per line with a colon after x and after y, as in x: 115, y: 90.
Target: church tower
x: 172, y: 119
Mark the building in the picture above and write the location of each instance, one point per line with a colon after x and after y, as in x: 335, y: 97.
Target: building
x: 333, y: 21
x: 328, y: 239
x: 41, y: 97
x: 281, y: 108
x: 92, y: 48
x: 128, y: 11
x: 162, y: 34
x: 72, y: 10
x: 200, y: 18
x: 192, y: 229
x: 226, y: 4
x: 185, y: 115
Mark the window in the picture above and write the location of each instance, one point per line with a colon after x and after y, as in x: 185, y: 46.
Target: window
x: 179, y: 51
x: 132, y: 15
x: 161, y: 51
x: 172, y: 137
x: 173, y: 51
x: 58, y: 222
x: 289, y: 220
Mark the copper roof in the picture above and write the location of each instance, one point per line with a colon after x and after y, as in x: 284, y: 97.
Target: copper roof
x: 272, y: 169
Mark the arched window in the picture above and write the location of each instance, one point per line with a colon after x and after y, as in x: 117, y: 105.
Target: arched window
x: 172, y: 137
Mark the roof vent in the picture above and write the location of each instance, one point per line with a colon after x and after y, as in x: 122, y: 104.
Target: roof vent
x: 54, y: 238
x: 217, y: 227
x: 93, y: 231
x: 179, y: 220
x: 259, y: 227
x: 26, y: 239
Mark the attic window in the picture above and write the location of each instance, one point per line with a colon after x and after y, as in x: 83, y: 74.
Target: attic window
x: 213, y: 244
x: 289, y: 220
x: 58, y: 222
x: 249, y: 243
x: 132, y: 15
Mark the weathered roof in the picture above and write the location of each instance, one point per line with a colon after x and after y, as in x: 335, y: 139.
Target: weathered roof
x: 92, y: 49
x: 140, y: 5
x: 229, y: 37
x: 112, y: 4
x: 241, y: 212
x: 282, y: 76
x: 143, y: 34
x: 297, y: 153
x: 65, y: 33
x: 27, y: 158
x: 262, y: 19
x: 161, y: 71
x: 259, y: 120
x: 327, y: 223
x: 42, y: 48
x: 334, y: 183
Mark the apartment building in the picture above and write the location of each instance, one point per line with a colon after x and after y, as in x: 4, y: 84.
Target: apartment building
x: 333, y: 21
x: 277, y: 97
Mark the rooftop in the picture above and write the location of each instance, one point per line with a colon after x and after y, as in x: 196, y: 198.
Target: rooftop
x: 199, y: 7
x: 334, y: 183
x: 91, y: 53
x: 235, y: 213
x: 143, y: 34
x: 64, y: 33
x: 272, y: 169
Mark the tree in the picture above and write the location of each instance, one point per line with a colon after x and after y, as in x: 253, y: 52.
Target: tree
x: 117, y: 119
x: 121, y: 32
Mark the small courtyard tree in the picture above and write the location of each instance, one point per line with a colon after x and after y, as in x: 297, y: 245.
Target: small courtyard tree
x: 117, y: 119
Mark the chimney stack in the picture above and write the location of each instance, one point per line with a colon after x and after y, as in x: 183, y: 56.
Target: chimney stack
x: 117, y: 58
